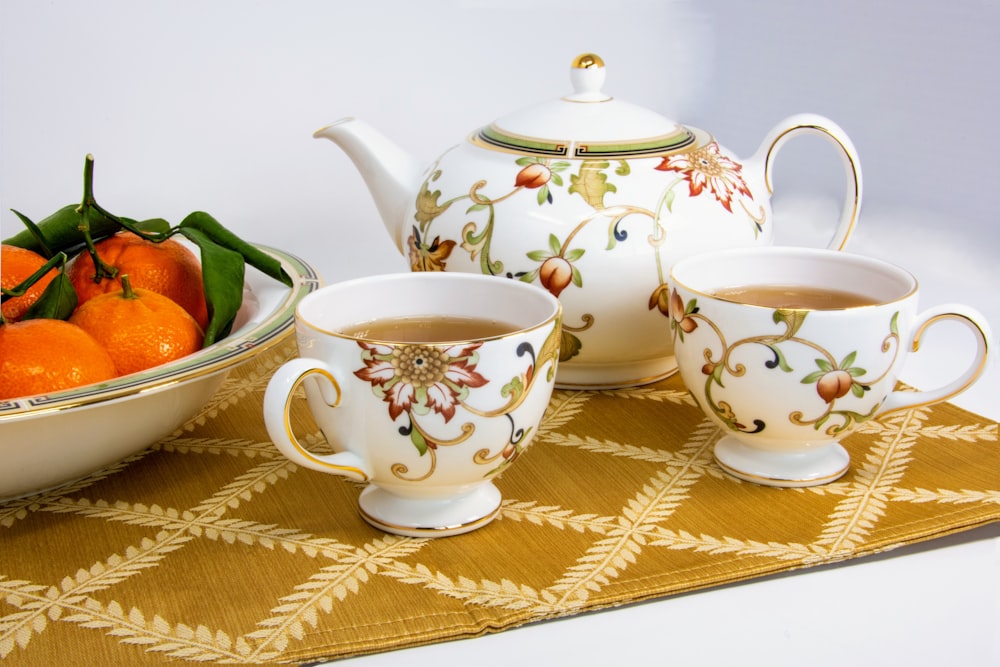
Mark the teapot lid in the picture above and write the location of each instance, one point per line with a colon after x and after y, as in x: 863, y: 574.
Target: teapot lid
x: 586, y: 124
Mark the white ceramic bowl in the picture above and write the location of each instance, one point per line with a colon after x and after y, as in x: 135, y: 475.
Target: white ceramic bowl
x: 49, y: 440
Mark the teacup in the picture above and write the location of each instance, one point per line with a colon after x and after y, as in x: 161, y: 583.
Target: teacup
x: 426, y: 386
x: 789, y: 350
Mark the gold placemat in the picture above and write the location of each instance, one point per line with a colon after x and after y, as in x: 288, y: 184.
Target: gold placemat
x: 211, y: 546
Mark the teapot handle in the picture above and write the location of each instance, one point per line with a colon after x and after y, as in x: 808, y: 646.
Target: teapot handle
x: 826, y: 128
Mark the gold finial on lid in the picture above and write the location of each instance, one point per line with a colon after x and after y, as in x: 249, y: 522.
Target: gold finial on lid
x: 588, y: 60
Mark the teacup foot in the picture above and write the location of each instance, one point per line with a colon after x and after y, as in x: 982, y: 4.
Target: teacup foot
x: 417, y: 517
x: 811, y: 468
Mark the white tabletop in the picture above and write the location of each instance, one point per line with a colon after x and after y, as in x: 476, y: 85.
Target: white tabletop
x: 211, y: 106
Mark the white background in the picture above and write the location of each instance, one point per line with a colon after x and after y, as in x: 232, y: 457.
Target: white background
x: 211, y: 106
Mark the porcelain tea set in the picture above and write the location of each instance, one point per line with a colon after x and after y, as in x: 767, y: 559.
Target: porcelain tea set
x: 616, y: 225
x: 592, y: 198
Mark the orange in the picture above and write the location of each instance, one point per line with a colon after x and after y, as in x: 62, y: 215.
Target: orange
x: 167, y: 268
x: 16, y: 266
x: 42, y: 356
x: 139, y: 328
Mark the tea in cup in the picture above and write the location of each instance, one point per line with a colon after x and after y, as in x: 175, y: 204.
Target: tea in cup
x: 789, y: 350
x: 426, y: 385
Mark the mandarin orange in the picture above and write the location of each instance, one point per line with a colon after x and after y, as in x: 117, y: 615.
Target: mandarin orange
x: 139, y: 328
x: 168, y: 268
x: 16, y: 266
x: 41, y: 356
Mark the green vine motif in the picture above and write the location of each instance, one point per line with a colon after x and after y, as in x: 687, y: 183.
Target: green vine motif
x: 556, y: 266
x: 535, y: 173
x: 516, y: 392
x: 833, y: 379
x: 479, y: 244
x: 424, y: 254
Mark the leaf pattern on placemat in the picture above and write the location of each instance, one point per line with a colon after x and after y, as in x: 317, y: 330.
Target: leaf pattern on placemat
x: 211, y: 547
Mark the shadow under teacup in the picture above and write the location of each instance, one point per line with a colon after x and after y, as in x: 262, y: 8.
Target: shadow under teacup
x: 789, y: 350
x: 426, y: 385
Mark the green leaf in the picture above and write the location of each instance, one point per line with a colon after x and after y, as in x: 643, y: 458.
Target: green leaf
x: 57, y: 301
x: 782, y: 363
x: 792, y: 319
x: 576, y: 276
x: 894, y: 324
x: 848, y: 360
x: 575, y: 254
x: 417, y: 438
x: 591, y: 183
x: 858, y: 390
x: 528, y: 277
x: 554, y: 245
x: 668, y: 201
x: 60, y: 232
x: 35, y: 233
x: 255, y: 257
x: 222, y: 272
x: 476, y: 207
x: 539, y: 255
x: 543, y: 194
x: 813, y: 377
x: 158, y: 228
x: 525, y: 161
x: 513, y: 389
x: 22, y: 288
x: 825, y: 365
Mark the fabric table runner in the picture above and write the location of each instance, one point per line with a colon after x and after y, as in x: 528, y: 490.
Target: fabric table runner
x: 212, y: 547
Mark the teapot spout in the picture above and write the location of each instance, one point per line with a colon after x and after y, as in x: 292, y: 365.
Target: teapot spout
x: 391, y: 174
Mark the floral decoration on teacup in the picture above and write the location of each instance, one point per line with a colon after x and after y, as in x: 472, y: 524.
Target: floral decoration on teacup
x: 789, y: 350
x: 427, y: 386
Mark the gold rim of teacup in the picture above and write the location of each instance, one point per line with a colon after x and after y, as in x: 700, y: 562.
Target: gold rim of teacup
x: 789, y: 252
x: 457, y: 341
x: 554, y: 316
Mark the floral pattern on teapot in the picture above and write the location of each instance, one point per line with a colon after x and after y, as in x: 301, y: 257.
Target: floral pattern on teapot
x: 592, y: 198
x: 705, y: 169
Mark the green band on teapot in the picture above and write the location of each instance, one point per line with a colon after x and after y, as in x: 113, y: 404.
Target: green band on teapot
x: 492, y: 137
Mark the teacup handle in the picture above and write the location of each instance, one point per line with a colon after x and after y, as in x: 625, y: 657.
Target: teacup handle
x: 901, y: 400
x: 820, y: 125
x: 277, y: 407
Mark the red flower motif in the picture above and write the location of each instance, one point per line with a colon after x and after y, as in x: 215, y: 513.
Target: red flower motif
x: 707, y: 168
x: 421, y: 378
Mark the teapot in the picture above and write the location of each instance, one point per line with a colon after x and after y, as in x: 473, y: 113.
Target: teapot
x: 591, y: 198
